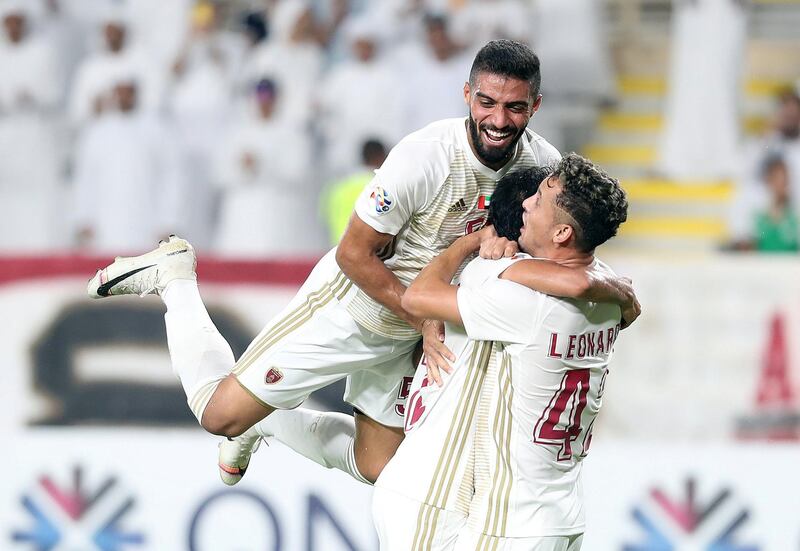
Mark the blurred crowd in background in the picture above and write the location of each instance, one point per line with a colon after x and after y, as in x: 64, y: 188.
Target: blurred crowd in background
x: 224, y: 122
x: 249, y: 127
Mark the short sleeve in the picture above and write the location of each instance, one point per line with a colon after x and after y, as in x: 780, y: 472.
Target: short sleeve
x: 403, y: 186
x: 499, y: 310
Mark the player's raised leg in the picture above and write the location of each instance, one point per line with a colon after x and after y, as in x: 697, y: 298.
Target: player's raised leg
x: 356, y: 445
x: 359, y: 445
x: 201, y: 358
x: 327, y: 438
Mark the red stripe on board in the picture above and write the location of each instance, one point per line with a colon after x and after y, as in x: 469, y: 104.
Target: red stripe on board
x: 209, y: 269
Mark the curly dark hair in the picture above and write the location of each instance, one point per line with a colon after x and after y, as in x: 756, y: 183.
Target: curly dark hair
x: 510, y: 59
x: 505, y: 208
x: 592, y: 198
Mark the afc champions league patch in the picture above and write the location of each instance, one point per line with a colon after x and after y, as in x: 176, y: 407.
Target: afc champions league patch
x: 274, y: 375
x: 381, y: 200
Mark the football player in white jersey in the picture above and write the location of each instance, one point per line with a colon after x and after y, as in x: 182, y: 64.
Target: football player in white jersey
x: 504, y: 437
x: 347, y: 320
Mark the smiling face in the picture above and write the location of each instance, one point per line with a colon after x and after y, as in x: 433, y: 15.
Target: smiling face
x: 545, y: 226
x: 499, y: 110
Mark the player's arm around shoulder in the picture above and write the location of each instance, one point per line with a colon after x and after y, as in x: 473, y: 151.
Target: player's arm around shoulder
x: 432, y: 295
x: 590, y: 283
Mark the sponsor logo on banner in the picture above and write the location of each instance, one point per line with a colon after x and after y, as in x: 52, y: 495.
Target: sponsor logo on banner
x: 381, y: 200
x: 60, y: 514
x: 685, y: 516
x: 320, y: 523
x: 774, y: 415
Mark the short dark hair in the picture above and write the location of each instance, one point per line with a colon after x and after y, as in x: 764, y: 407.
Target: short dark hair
x: 592, y: 198
x: 373, y: 150
x: 510, y: 59
x: 505, y: 208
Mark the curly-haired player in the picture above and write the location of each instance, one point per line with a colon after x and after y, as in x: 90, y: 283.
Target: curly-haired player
x: 503, y: 438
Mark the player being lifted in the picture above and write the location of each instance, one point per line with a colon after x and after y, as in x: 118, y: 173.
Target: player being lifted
x: 504, y: 436
x: 347, y: 320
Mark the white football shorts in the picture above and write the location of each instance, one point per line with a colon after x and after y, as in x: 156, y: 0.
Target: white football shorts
x: 314, y: 342
x: 472, y: 540
x: 405, y: 524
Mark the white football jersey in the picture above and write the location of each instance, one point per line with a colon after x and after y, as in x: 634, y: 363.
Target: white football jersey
x: 502, y: 439
x: 431, y: 465
x: 431, y: 190
x: 538, y: 402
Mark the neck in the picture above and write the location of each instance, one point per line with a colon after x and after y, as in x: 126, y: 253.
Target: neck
x: 564, y: 256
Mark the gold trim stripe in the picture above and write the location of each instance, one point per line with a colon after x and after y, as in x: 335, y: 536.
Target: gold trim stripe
x: 508, y: 391
x: 456, y: 438
x: 300, y: 315
x: 202, y: 395
x: 487, y: 543
x: 497, y: 512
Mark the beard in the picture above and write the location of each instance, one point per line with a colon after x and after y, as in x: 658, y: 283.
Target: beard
x: 489, y: 154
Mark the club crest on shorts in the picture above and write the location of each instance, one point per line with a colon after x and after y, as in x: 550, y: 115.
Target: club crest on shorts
x: 381, y: 200
x: 274, y: 375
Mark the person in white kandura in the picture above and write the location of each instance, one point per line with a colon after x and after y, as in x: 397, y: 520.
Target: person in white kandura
x: 347, y: 321
x: 505, y: 436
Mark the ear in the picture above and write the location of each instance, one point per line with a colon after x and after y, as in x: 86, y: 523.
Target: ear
x: 467, y: 92
x: 536, y: 104
x: 562, y: 234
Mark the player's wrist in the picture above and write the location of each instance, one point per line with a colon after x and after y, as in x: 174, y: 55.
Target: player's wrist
x: 470, y: 243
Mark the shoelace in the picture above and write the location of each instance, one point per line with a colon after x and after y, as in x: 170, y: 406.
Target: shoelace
x: 141, y: 284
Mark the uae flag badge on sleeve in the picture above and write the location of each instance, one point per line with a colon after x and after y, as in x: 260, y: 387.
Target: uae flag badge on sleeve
x: 484, y: 201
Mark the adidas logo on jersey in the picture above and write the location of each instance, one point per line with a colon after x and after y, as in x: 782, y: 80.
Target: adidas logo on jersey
x: 458, y: 206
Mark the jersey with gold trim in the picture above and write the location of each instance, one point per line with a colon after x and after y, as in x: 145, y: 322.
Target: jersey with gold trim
x: 431, y: 190
x: 538, y: 401
x: 432, y: 464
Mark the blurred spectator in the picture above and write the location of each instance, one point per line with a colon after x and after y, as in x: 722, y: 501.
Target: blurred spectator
x: 158, y: 28
x: 434, y: 76
x: 580, y: 69
x: 782, y: 141
x: 701, y: 135
x: 339, y: 198
x: 200, y: 102
x: 66, y: 33
x: 128, y: 183
x: 255, y: 29
x: 401, y: 21
x: 31, y: 77
x: 92, y: 87
x: 579, y: 78
x: 262, y: 170
x: 773, y: 224
x: 30, y: 141
x: 480, y: 21
x: 355, y: 99
x: 293, y: 56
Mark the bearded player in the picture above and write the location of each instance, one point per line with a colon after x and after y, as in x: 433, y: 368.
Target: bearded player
x: 347, y: 320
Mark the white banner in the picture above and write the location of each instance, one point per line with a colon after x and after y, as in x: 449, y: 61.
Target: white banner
x: 151, y: 490
x: 715, y: 354
x: 714, y: 357
x: 698, y: 497
x: 155, y: 490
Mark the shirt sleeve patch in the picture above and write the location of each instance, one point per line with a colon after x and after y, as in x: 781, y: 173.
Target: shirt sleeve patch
x: 381, y: 200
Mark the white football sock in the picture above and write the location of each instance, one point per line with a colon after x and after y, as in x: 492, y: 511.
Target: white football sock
x: 324, y: 437
x: 201, y: 357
